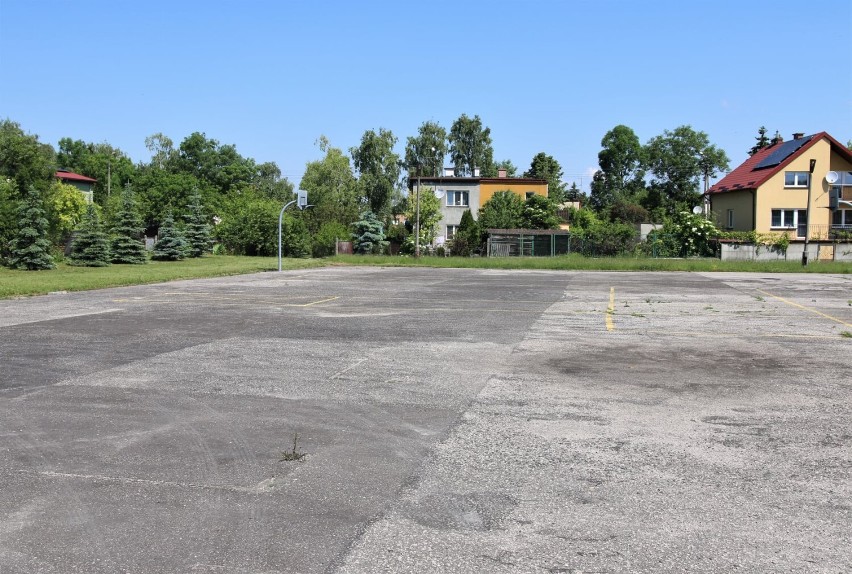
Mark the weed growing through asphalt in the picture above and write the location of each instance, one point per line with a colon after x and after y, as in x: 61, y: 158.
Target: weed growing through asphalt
x: 846, y: 334
x: 759, y: 298
x: 293, y: 455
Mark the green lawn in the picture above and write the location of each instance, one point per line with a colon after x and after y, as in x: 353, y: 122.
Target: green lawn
x: 67, y: 278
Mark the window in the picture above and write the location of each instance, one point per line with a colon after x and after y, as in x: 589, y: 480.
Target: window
x: 796, y: 178
x: 730, y: 219
x: 457, y: 198
x: 842, y: 217
x: 790, y: 219
x: 451, y: 231
x: 529, y: 194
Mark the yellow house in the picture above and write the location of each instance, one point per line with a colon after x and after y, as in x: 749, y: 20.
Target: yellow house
x: 776, y: 189
x: 524, y: 187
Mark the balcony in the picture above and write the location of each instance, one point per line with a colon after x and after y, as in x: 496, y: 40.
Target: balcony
x: 831, y: 232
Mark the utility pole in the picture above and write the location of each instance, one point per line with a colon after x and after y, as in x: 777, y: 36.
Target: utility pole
x: 808, y: 215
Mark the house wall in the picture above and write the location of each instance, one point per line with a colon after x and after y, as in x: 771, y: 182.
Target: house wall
x: 489, y: 188
x: 742, y: 204
x: 773, y: 195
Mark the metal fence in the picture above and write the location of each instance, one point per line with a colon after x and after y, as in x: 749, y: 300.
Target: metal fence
x: 547, y: 243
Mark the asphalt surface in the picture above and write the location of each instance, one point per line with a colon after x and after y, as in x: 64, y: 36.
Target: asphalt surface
x: 450, y: 421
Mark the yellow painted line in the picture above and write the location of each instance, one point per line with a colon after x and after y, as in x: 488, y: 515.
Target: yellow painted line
x: 820, y: 313
x: 610, y: 310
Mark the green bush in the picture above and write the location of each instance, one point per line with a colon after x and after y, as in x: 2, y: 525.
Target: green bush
x: 329, y: 232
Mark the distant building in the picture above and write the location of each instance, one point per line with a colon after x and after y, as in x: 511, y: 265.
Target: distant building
x: 460, y: 193
x: 81, y: 182
x: 768, y: 193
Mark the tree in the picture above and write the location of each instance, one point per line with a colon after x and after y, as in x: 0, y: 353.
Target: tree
x: 546, y: 167
x: 424, y: 154
x: 197, y: 229
x: 678, y: 159
x: 162, y: 149
x: 430, y: 216
x: 8, y: 217
x: 369, y: 234
x: 90, y: 246
x: 332, y: 188
x: 470, y: 147
x: 622, y: 174
x: 762, y: 141
x: 466, y: 239
x: 539, y: 212
x: 66, y: 207
x: 219, y: 165
x: 30, y: 248
x: 160, y: 192
x: 24, y: 160
x: 172, y: 245
x: 249, y: 224
x: 110, y: 166
x: 127, y: 245
x: 505, y: 210
x: 574, y: 194
x: 295, y: 239
x: 379, y: 169
x: 329, y: 233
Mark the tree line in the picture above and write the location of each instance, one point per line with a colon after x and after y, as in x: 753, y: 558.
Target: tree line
x: 201, y: 182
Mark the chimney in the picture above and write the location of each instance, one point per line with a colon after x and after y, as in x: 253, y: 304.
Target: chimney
x: 449, y: 171
x: 798, y: 135
x: 501, y: 172
x: 777, y: 139
x: 476, y: 172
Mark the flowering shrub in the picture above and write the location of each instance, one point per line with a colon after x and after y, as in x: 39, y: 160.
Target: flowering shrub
x: 694, y: 234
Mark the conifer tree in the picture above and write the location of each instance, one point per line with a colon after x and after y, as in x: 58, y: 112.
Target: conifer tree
x: 127, y: 243
x: 90, y: 247
x: 172, y: 244
x: 30, y: 248
x: 197, y: 230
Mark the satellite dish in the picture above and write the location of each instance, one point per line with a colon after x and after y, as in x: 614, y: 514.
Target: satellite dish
x: 440, y: 193
x: 697, y: 209
x: 831, y: 177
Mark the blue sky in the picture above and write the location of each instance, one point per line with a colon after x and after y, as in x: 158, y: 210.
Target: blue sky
x: 545, y: 75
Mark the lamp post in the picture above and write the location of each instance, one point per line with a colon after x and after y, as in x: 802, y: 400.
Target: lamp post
x: 808, y: 214
x: 417, y: 216
x: 417, y: 208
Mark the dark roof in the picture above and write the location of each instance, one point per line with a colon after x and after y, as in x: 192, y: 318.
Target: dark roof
x: 448, y: 180
x: 66, y: 175
x: 750, y: 175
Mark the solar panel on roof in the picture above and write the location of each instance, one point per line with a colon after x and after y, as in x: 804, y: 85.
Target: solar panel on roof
x: 782, y: 152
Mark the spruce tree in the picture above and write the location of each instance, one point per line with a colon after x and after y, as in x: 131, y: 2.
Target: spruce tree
x: 90, y: 247
x: 172, y: 244
x: 30, y: 248
x: 197, y: 229
x: 127, y: 243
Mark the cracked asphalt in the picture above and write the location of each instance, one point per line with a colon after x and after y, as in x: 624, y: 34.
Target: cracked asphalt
x: 451, y: 421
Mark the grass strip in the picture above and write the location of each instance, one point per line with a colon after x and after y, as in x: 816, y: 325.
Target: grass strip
x: 15, y: 283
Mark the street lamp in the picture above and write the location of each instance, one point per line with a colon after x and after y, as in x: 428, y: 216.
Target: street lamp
x: 808, y: 214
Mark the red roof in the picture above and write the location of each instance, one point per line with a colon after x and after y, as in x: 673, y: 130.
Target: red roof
x: 746, y: 176
x: 71, y: 176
